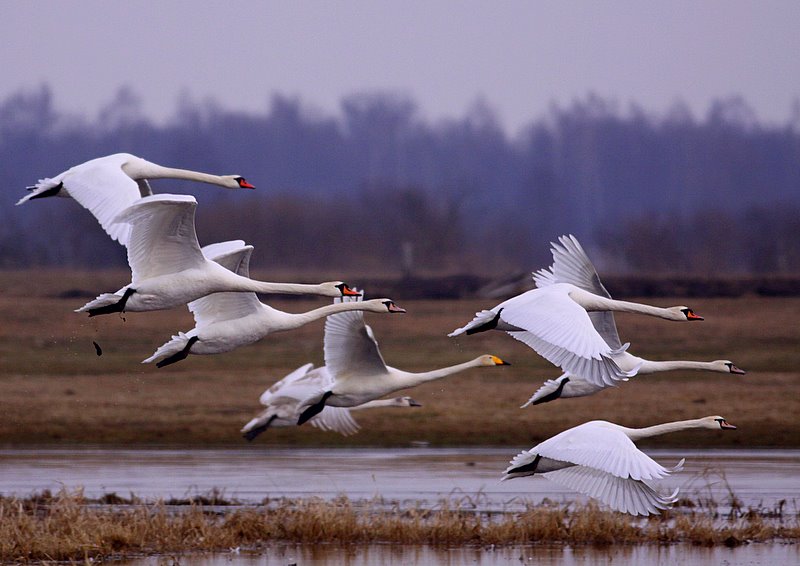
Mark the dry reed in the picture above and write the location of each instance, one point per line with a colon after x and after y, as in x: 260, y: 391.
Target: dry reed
x: 68, y: 527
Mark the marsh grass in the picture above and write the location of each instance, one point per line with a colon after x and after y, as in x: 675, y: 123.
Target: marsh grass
x: 69, y: 527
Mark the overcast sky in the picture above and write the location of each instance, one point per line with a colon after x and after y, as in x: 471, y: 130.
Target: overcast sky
x: 520, y: 56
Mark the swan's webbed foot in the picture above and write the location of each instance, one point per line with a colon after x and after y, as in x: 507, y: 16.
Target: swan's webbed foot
x: 119, y: 306
x: 314, y: 409
x: 182, y: 355
x: 491, y: 325
x: 554, y: 395
x: 530, y: 468
x: 255, y: 431
x: 51, y: 192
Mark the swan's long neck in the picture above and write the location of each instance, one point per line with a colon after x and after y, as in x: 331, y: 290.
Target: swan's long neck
x: 376, y: 403
x: 650, y: 366
x: 281, y: 288
x: 593, y: 302
x: 296, y: 320
x: 638, y: 433
x: 409, y: 379
x: 153, y: 171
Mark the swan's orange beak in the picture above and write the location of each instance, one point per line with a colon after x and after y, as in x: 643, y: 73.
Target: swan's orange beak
x: 244, y: 184
x: 690, y: 315
x: 348, y: 292
x: 739, y: 371
x: 725, y: 425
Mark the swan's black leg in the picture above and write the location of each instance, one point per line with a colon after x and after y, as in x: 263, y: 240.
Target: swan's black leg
x: 492, y: 324
x: 182, y: 355
x: 554, y: 395
x: 119, y: 306
x: 49, y: 192
x: 314, y: 409
x: 253, y: 432
x: 527, y: 467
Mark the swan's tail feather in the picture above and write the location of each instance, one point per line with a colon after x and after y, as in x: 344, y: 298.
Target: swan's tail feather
x: 677, y: 467
x: 104, y: 300
x: 256, y: 426
x: 171, y: 348
x: 44, y: 188
x: 549, y: 391
x: 521, y: 465
x: 621, y: 349
x: 484, y: 320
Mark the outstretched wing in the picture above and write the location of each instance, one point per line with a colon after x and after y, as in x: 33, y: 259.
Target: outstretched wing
x: 337, y: 419
x: 163, y: 238
x: 602, y: 446
x: 235, y: 256
x: 622, y: 494
x: 283, y: 384
x: 572, y: 265
x: 350, y: 347
x: 101, y: 187
x: 560, y: 331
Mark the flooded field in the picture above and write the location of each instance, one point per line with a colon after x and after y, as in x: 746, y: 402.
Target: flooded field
x: 67, y: 410
x: 756, y: 477
x: 382, y: 555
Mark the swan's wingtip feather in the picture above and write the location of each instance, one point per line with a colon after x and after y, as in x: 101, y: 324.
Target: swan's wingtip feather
x: 677, y: 467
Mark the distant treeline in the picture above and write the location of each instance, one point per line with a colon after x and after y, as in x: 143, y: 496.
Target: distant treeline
x: 378, y: 188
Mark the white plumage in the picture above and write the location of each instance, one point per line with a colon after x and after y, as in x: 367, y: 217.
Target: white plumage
x: 359, y: 372
x: 168, y: 268
x: 600, y: 459
x: 572, y: 265
x: 282, y: 399
x: 554, y: 320
x: 108, y: 185
x: 226, y: 321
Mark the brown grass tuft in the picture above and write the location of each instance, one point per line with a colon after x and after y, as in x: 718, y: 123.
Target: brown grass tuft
x: 68, y: 527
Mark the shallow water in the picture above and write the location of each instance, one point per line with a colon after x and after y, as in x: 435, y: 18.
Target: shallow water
x: 253, y: 473
x: 379, y: 555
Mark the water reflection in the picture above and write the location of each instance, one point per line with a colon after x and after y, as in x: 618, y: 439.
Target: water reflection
x: 394, y: 555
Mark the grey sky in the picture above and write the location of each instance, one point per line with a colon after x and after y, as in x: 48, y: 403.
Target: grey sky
x: 520, y: 56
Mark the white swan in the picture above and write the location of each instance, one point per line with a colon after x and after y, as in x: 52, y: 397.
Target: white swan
x: 226, y: 321
x: 554, y: 320
x: 599, y: 459
x: 568, y: 385
x: 359, y: 373
x: 168, y: 268
x: 572, y: 265
x: 281, y: 401
x: 108, y: 185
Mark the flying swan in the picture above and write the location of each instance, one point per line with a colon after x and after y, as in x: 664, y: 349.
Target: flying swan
x: 554, y: 321
x: 168, y: 268
x: 599, y: 459
x: 108, y: 185
x: 572, y: 265
x: 226, y: 321
x: 359, y: 373
x: 281, y: 401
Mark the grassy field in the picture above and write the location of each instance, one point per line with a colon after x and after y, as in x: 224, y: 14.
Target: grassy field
x: 54, y: 388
